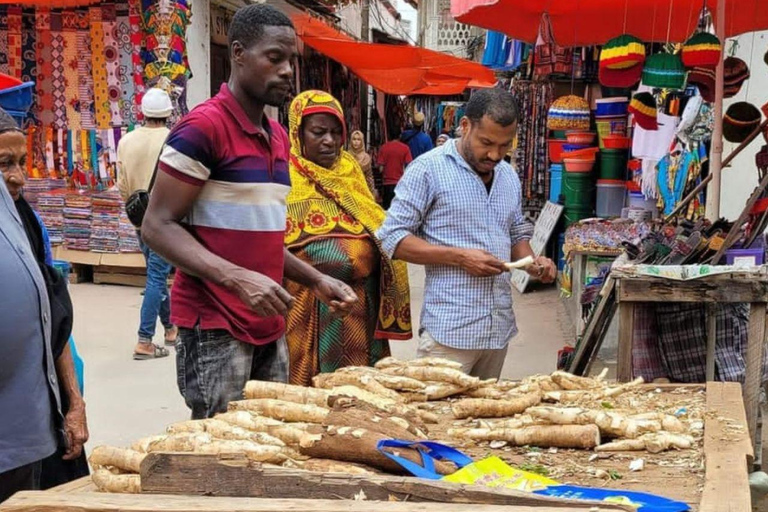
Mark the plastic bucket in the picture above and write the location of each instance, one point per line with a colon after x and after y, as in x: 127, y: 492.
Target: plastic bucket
x: 579, y: 191
x: 611, y: 106
x: 63, y: 267
x: 555, y: 182
x: 560, y: 253
x: 613, y: 164
x: 610, y: 198
x: 574, y: 215
x: 610, y: 125
x: 18, y: 98
x: 637, y: 201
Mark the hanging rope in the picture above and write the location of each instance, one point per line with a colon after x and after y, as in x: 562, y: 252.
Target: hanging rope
x: 626, y: 10
x: 669, y: 20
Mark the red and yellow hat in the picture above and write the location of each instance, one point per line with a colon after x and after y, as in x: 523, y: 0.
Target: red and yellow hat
x: 622, y: 52
x: 643, y: 108
x: 702, y: 50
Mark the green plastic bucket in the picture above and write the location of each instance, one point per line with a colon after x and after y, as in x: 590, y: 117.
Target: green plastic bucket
x: 579, y: 190
x: 574, y: 215
x: 613, y: 164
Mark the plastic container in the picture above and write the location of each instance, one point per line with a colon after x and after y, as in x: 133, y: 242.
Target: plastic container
x: 745, y: 257
x: 63, y: 267
x: 581, y: 154
x: 578, y: 137
x: 579, y: 191
x: 637, y: 201
x: 611, y: 106
x: 613, y: 164
x: 19, y: 117
x: 574, y: 147
x: 556, y: 150
x: 577, y: 165
x: 555, y: 182
x: 610, y: 125
x: 18, y: 98
x: 616, y: 142
x: 574, y: 215
x: 610, y: 198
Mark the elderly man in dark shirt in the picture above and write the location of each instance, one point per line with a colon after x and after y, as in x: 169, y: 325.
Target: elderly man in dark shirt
x: 32, y: 424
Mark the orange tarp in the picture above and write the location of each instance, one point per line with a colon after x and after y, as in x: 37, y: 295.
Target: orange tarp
x: 594, y: 22
x: 394, y: 69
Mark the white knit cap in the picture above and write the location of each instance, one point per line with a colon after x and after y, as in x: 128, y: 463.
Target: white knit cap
x: 156, y: 103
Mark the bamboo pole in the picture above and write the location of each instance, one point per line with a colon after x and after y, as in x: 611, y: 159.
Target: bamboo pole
x: 715, y: 159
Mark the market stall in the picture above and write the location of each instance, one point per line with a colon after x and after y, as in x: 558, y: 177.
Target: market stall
x: 288, y: 446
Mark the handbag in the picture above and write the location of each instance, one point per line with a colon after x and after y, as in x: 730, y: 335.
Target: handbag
x: 549, y: 58
x: 137, y: 203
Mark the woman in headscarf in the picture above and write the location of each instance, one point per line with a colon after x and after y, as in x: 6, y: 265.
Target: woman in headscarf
x: 69, y: 462
x: 442, y: 139
x: 357, y: 150
x: 331, y: 224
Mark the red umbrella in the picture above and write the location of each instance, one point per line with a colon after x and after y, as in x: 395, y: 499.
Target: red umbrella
x: 50, y: 3
x: 593, y: 22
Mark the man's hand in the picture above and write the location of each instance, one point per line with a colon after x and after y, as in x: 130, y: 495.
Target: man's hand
x: 543, y: 269
x: 260, y: 293
x: 76, y: 429
x: 337, y: 295
x: 480, y: 263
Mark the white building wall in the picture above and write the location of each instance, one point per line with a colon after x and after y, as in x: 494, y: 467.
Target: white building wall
x: 740, y: 179
x: 199, y: 51
x: 441, y: 32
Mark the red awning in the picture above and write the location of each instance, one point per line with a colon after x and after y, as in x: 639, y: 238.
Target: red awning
x: 50, y: 3
x: 394, y: 69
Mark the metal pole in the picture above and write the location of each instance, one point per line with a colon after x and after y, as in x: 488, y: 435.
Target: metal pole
x: 716, y: 154
x: 365, y: 35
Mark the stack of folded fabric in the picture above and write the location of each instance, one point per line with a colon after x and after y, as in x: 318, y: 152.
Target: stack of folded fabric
x: 77, y: 221
x: 50, y: 207
x: 129, y: 241
x: 36, y: 186
x: 105, y: 226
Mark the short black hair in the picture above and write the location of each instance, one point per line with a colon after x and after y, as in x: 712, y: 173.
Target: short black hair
x: 498, y: 104
x: 247, y: 25
x: 395, y: 132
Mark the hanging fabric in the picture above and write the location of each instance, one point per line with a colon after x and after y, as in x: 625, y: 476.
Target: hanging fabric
x: 549, y: 58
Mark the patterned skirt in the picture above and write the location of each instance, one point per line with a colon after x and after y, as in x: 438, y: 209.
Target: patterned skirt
x: 320, y: 342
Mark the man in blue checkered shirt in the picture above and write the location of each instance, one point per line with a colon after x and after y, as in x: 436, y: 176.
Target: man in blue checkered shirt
x: 457, y: 211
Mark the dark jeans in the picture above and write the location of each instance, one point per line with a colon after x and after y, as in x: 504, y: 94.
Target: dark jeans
x: 387, y: 195
x: 213, y: 367
x: 157, y: 300
x: 24, y: 478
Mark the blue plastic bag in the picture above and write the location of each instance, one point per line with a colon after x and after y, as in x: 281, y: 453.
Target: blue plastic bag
x: 645, y: 502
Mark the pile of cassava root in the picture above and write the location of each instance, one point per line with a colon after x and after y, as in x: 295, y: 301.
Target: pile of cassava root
x: 336, y: 425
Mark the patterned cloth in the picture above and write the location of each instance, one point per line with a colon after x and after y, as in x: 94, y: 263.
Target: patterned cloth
x: 112, y: 57
x: 670, y: 340
x: 125, y: 48
x: 443, y: 201
x: 332, y: 218
x: 69, y: 33
x: 14, y: 41
x: 44, y: 46
x: 99, y: 68
x: 58, y: 81
x: 84, y: 77
x: 29, y: 62
x: 134, y: 18
x: 4, y: 39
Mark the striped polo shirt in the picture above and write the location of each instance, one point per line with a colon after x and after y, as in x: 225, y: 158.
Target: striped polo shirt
x: 239, y: 214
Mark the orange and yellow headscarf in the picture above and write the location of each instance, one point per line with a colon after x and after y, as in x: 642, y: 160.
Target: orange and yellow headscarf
x: 337, y: 202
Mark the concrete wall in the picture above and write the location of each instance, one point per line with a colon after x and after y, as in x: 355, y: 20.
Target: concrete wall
x: 740, y: 179
x: 199, y: 50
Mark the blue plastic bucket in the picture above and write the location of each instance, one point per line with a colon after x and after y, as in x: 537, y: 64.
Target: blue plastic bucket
x: 555, y: 182
x: 18, y: 98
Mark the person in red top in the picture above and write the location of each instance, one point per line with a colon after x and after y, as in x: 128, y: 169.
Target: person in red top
x: 392, y: 159
x: 218, y: 213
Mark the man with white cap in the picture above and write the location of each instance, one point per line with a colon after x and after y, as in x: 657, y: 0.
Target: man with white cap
x: 137, y: 154
x: 418, y: 141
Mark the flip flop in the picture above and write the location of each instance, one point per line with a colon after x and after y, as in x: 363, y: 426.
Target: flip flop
x: 158, y: 353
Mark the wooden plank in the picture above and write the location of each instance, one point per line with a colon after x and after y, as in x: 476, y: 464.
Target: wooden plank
x: 711, y: 340
x: 235, y: 475
x: 755, y: 347
x: 36, y: 501
x: 125, y: 259
x: 626, y: 334
x: 81, y: 257
x: 136, y: 271
x: 122, y: 279
x: 596, y: 329
x: 84, y: 484
x: 727, y: 451
x: 695, y: 290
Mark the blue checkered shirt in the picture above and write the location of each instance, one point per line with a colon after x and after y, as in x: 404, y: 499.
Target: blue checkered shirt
x: 443, y: 201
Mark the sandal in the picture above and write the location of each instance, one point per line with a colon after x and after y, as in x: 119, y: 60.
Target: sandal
x: 157, y: 354
x: 175, y: 331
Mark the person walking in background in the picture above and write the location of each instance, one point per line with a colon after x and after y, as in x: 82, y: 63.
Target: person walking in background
x: 393, y: 157
x: 332, y: 220
x: 137, y: 155
x: 442, y: 139
x: 218, y: 212
x: 357, y: 149
x: 39, y: 392
x: 458, y: 212
x: 418, y: 141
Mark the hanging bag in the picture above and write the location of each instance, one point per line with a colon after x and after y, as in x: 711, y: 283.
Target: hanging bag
x: 549, y: 58
x: 137, y: 203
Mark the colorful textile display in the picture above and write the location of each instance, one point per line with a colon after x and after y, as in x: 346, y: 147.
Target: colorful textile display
x: 664, y: 70
x: 702, y: 50
x: 569, y: 113
x: 622, y: 52
x: 643, y: 108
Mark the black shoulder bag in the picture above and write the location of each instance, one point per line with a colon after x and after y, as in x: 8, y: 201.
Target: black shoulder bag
x: 138, y: 202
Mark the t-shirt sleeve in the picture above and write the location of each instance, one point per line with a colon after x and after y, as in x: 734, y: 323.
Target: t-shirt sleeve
x: 408, y: 157
x: 188, y: 154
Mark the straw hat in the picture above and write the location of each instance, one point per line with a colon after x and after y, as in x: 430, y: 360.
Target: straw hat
x: 569, y: 113
x: 664, y: 70
x: 702, y: 50
x: 740, y: 120
x: 643, y: 108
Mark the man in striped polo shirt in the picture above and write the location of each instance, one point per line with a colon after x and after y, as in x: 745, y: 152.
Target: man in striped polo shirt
x: 217, y: 212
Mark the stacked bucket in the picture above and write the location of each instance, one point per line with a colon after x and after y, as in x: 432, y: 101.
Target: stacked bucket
x: 611, y: 120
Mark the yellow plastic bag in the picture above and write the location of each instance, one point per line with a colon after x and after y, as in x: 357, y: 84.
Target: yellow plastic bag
x: 494, y: 472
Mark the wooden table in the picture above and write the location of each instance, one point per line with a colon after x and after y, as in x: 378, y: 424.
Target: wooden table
x: 224, y: 484
x: 722, y: 288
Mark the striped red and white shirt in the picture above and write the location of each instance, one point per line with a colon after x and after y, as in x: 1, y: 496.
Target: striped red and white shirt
x: 239, y: 215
